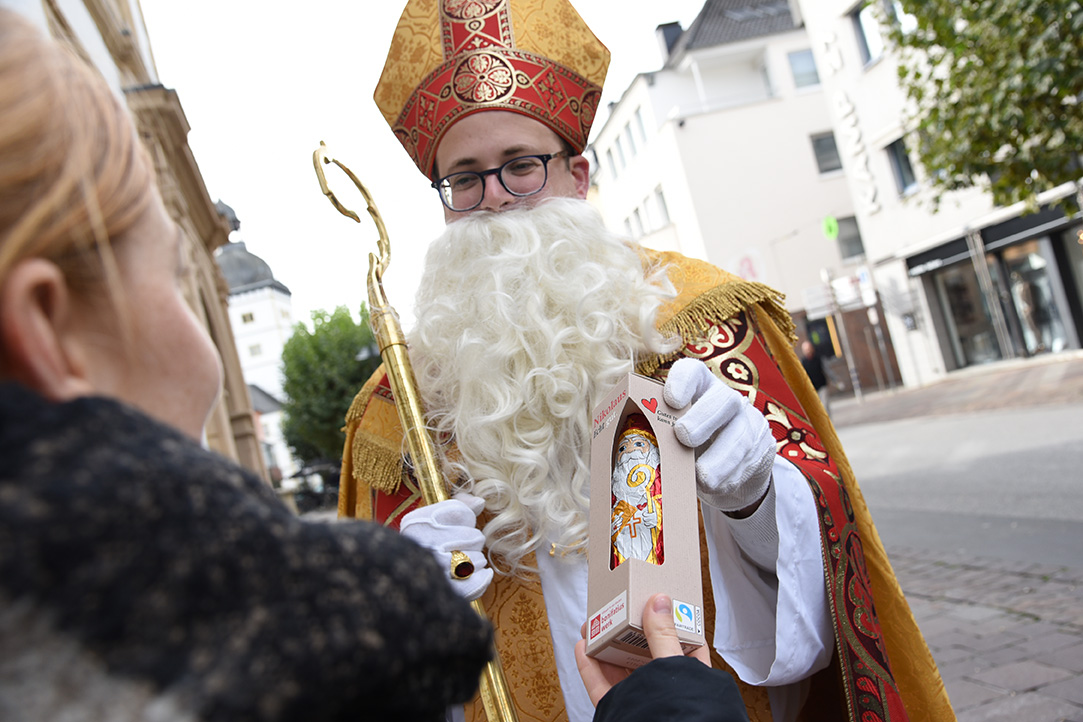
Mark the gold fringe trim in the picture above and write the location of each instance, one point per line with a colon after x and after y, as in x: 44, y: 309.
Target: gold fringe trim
x: 720, y: 303
x: 377, y: 463
x: 361, y: 400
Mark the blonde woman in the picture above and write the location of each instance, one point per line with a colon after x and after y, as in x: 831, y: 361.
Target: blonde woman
x: 141, y: 577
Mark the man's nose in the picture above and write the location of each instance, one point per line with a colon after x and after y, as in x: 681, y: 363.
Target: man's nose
x: 496, y: 196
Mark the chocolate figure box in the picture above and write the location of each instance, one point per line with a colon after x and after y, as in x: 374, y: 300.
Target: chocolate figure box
x: 644, y: 524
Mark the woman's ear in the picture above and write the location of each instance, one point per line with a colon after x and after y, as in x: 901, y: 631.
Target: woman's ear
x: 39, y: 344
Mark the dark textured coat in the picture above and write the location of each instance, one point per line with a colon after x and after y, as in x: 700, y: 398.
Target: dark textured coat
x: 143, y: 578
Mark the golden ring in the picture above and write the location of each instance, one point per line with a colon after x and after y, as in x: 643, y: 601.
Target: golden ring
x: 461, y: 566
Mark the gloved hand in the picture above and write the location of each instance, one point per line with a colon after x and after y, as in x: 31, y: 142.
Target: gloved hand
x: 735, y: 451
x: 449, y: 526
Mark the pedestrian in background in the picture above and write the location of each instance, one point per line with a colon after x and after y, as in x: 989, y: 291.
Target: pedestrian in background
x: 813, y: 363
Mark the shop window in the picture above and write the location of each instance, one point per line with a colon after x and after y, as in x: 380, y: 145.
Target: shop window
x: 247, y: 317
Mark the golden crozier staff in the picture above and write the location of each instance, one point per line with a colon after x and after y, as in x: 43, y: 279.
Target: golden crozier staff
x: 495, y: 695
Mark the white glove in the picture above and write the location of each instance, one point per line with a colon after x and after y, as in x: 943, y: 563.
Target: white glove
x: 449, y: 526
x: 735, y: 451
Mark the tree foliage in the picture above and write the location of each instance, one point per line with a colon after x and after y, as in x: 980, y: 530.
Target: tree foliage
x: 996, y: 89
x: 322, y: 374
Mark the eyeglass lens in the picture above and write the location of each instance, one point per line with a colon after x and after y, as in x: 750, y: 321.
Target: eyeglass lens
x: 520, y: 176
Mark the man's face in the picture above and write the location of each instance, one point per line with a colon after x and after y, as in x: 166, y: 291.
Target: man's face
x: 491, y: 138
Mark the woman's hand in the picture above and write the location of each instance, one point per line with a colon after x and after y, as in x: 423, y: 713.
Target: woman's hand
x: 599, y: 677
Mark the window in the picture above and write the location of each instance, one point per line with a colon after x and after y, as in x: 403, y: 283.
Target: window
x: 641, y: 125
x: 867, y: 19
x: 637, y: 223
x: 850, y: 245
x: 803, y: 67
x: 620, y: 154
x: 827, y: 153
x: 900, y: 164
x: 870, y: 41
x: 663, y: 209
x: 612, y: 163
x: 631, y: 140
x: 247, y: 318
x: 255, y: 350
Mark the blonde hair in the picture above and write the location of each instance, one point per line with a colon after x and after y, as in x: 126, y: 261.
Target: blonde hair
x: 73, y: 175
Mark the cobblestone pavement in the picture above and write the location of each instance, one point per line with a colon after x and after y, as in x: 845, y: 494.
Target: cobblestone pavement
x: 1007, y: 636
x: 1052, y: 379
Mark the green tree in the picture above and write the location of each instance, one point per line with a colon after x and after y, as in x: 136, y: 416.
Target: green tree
x: 322, y: 373
x: 996, y: 91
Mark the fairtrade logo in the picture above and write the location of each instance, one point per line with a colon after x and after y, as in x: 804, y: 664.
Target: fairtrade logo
x: 682, y: 613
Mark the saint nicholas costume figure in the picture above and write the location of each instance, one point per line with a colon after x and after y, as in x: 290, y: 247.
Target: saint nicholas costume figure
x: 528, y: 312
x: 637, y: 495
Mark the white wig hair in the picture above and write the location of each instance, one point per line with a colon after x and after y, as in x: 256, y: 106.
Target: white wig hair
x: 525, y: 319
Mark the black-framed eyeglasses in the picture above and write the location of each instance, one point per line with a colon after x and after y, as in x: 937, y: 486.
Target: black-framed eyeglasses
x: 522, y: 176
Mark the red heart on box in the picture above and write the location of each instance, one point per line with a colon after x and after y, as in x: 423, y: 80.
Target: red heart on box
x: 650, y: 404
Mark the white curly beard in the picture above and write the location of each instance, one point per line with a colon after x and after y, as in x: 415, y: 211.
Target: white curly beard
x: 525, y: 318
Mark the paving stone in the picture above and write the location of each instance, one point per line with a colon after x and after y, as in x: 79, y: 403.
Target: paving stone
x: 1029, y: 707
x: 965, y: 694
x: 1070, y: 689
x: 1000, y: 657
x: 988, y: 643
x: 976, y: 613
x: 963, y: 668
x: 1050, y: 642
x: 1022, y: 676
x: 1067, y: 658
x: 951, y: 654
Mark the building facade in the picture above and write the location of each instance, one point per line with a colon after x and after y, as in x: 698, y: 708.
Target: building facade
x: 969, y: 284
x: 112, y: 37
x: 772, y: 142
x: 729, y: 153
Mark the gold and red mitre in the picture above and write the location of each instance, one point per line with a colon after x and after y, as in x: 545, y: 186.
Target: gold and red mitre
x: 452, y: 58
x: 637, y: 425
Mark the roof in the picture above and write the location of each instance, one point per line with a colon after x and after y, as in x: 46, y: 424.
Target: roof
x: 245, y: 271
x: 721, y: 22
x: 262, y: 401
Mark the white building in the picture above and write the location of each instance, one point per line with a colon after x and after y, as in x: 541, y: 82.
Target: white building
x: 260, y: 312
x: 728, y: 153
x: 970, y: 284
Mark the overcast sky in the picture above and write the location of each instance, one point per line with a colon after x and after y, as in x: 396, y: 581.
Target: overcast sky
x: 262, y: 83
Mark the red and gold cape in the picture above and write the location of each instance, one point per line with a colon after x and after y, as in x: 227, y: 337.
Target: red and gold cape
x: 743, y: 333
